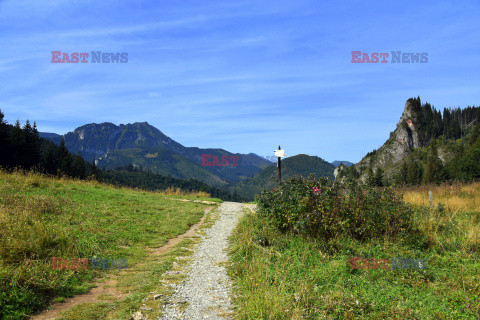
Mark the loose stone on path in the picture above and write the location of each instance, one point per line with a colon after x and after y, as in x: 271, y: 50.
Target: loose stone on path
x: 206, y: 291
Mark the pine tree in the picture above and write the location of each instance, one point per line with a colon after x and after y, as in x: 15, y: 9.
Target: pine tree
x: 414, y: 172
x: 475, y: 136
x: 370, y: 178
x: 378, y: 178
x: 65, y: 159
x: 50, y: 161
x: 31, y: 147
x: 434, y: 171
x: 17, y: 141
x: 78, y: 167
x: 5, y: 147
x: 402, y: 175
x: 94, y: 172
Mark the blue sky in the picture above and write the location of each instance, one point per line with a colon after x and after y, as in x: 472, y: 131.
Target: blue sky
x: 244, y: 76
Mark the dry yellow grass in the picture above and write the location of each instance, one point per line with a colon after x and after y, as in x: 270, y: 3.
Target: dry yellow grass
x: 457, y: 197
x: 179, y: 192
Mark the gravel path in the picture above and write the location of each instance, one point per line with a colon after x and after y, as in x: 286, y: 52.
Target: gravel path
x: 207, y: 287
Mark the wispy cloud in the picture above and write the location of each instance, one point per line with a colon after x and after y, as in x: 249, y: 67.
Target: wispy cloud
x: 240, y: 75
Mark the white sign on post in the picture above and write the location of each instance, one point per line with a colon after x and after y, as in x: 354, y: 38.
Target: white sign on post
x: 279, y: 153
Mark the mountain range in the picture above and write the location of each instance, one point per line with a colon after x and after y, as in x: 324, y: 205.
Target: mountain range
x: 146, y: 148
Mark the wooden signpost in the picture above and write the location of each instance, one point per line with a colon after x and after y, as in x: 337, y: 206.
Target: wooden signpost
x: 279, y: 154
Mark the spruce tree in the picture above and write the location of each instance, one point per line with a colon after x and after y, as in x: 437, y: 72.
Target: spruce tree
x: 17, y: 141
x: 414, y: 172
x: 370, y: 178
x: 402, y: 175
x: 378, y: 178
x: 5, y: 147
x: 31, y: 147
x: 65, y: 159
x: 50, y: 161
x: 78, y: 167
x: 94, y: 172
x: 434, y: 171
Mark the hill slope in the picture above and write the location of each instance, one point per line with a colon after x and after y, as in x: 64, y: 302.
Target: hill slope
x: 297, y: 165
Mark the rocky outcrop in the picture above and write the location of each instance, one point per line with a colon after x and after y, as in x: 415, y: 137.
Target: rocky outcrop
x: 397, y: 147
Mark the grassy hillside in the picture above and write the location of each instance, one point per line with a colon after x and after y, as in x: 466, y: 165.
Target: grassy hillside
x: 42, y: 217
x: 284, y: 275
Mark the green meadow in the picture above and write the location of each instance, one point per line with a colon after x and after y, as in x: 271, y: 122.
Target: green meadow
x: 43, y: 217
x: 287, y: 274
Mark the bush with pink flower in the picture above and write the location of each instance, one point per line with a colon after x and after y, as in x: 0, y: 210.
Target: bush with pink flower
x: 319, y: 208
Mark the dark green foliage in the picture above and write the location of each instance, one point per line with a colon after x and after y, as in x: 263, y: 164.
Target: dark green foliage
x: 23, y: 148
x: 430, y: 124
x: 378, y: 178
x: 50, y: 161
x: 434, y: 172
x: 65, y: 158
x: 371, y: 153
x: 401, y: 177
x: 317, y: 208
x: 414, y: 172
x: 470, y: 165
x: 455, y: 132
x: 375, y: 179
x: 78, y: 167
x: 17, y: 143
x: 4, y: 141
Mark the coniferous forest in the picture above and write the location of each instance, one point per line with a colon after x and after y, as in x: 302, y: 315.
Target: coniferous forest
x: 21, y: 147
x: 456, y: 132
x: 449, y: 149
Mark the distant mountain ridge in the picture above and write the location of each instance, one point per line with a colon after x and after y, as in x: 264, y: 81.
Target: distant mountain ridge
x: 336, y: 163
x: 301, y: 164
x: 142, y: 145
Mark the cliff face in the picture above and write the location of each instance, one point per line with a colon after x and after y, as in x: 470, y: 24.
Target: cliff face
x: 396, y: 148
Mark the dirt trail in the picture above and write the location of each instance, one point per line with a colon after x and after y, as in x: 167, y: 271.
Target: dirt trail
x: 107, y: 287
x: 206, y: 291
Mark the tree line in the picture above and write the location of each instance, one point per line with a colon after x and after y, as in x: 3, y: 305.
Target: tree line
x: 21, y: 147
x: 431, y: 124
x: 455, y: 131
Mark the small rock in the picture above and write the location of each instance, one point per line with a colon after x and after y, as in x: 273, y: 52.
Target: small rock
x: 138, y: 316
x: 167, y: 273
x: 145, y: 308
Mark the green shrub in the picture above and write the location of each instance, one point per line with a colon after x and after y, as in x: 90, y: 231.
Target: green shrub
x: 318, y: 208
